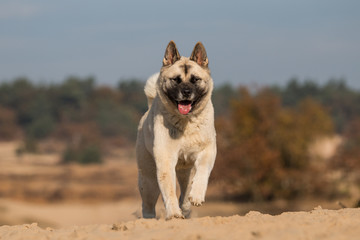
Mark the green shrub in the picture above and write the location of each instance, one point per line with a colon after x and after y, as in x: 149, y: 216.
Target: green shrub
x: 41, y: 127
x: 87, y: 155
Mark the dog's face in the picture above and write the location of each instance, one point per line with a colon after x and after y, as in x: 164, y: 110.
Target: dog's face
x: 185, y: 84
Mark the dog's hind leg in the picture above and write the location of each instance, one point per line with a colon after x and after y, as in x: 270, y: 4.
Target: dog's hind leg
x: 184, y: 177
x: 148, y: 185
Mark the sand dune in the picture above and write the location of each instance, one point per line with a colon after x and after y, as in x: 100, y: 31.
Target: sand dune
x: 316, y: 224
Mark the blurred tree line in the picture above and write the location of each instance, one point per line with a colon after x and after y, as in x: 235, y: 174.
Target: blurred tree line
x: 76, y: 112
x: 264, y: 138
x: 263, y: 135
x: 340, y: 100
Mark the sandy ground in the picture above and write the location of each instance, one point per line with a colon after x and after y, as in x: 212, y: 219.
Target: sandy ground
x: 40, y: 199
x: 316, y: 224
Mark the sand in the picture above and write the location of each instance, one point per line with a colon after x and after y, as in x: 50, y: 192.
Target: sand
x: 43, y: 200
x: 316, y: 224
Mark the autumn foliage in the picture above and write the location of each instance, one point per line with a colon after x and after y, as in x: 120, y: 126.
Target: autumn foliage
x: 263, y: 146
x: 8, y: 127
x: 348, y: 156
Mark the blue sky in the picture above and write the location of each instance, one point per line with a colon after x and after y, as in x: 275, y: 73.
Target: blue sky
x: 256, y: 42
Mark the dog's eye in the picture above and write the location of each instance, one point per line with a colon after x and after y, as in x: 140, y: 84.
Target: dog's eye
x: 194, y: 79
x: 176, y: 79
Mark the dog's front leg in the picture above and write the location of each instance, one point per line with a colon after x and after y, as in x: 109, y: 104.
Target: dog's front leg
x: 203, y: 166
x: 166, y: 176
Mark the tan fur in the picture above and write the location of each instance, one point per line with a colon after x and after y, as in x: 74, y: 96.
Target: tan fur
x: 171, y: 145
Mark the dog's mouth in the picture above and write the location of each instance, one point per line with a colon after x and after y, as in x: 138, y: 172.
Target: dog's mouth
x: 184, y: 106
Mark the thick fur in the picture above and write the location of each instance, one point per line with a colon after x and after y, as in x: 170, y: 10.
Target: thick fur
x: 174, y: 145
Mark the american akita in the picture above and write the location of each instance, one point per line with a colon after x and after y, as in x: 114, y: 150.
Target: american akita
x: 176, y: 136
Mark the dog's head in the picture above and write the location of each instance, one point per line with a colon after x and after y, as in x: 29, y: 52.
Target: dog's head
x: 185, y: 84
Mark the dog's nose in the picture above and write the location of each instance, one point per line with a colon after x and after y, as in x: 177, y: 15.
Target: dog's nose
x: 186, y: 91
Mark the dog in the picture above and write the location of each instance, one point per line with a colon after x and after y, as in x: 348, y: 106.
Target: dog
x: 176, y: 136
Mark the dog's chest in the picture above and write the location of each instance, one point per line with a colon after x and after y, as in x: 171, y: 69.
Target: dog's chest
x: 190, y: 146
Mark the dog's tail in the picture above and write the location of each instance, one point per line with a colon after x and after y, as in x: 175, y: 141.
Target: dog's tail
x: 150, y: 88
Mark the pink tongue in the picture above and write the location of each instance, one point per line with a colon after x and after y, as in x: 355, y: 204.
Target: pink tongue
x: 184, y: 109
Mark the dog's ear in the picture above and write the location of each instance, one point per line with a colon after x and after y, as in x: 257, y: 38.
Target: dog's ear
x: 171, y: 54
x: 199, y: 55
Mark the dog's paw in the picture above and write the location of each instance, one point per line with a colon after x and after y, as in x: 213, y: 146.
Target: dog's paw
x: 177, y: 216
x: 197, y: 202
x: 197, y: 193
x: 197, y: 196
x: 174, y: 213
